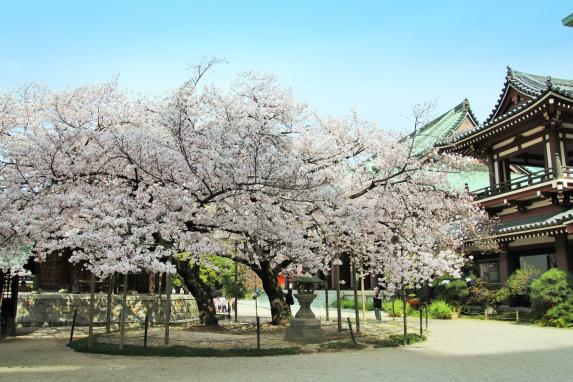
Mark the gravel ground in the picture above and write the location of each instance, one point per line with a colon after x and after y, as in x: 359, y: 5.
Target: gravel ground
x: 458, y: 350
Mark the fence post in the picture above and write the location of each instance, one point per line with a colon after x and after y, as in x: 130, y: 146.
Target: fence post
x: 516, y: 315
x: 91, y: 313
x: 426, y: 316
x: 338, y: 306
x: 168, y: 286
x: 421, y: 323
x: 351, y: 332
x: 145, y: 332
x: 236, y: 289
x: 258, y: 333
x: 73, y: 327
x: 404, y: 314
x: 326, y: 298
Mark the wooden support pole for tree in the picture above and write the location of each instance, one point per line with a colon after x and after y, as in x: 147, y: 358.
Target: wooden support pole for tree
x: 405, y: 321
x: 145, y: 332
x: 421, y: 323
x: 258, y: 333
x: 351, y: 332
x: 236, y: 300
x: 338, y: 304
x: 73, y: 327
x: 326, y: 300
x: 362, y: 294
x: 355, y: 289
x: 426, y: 316
x: 109, y: 304
x: 91, y: 313
x: 123, y: 312
x: 168, y: 287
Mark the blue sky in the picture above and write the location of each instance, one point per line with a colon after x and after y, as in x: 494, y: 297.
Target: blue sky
x: 377, y: 57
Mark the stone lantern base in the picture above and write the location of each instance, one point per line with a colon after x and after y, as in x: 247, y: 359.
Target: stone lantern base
x: 304, y: 326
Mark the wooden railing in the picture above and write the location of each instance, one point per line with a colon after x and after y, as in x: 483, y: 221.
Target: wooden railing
x: 518, y: 183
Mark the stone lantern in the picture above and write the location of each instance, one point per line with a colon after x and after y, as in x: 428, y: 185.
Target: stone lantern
x: 305, y: 326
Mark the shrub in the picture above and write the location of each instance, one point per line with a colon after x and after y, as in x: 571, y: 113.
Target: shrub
x: 453, y: 291
x: 519, y: 282
x: 441, y: 310
x: 481, y: 294
x: 561, y: 315
x: 550, y: 289
x: 398, y: 307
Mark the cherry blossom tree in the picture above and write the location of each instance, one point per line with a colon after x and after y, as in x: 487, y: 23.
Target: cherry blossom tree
x: 132, y: 184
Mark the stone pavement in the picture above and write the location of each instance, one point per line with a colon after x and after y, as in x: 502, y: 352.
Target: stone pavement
x: 458, y: 350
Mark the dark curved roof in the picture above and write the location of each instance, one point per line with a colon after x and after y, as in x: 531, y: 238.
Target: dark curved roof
x: 531, y: 85
x: 535, y: 222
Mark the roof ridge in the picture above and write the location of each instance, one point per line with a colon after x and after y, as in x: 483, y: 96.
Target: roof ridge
x: 442, y: 127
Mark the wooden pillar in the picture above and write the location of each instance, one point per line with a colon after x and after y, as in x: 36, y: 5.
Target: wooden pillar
x: 490, y: 169
x: 562, y: 252
x: 505, y: 264
x: 506, y: 170
x: 555, y: 153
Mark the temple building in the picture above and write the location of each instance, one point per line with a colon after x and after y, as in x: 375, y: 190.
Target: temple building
x: 527, y: 144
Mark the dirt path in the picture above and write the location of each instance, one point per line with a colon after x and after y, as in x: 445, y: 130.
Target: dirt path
x: 460, y: 350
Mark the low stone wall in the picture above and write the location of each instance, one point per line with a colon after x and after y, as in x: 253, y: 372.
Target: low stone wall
x: 55, y: 309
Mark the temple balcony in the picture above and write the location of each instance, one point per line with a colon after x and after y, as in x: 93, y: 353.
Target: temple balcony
x: 517, y: 183
x: 540, y: 184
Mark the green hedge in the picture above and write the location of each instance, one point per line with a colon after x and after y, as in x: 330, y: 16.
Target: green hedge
x: 552, y: 298
x: 348, y: 303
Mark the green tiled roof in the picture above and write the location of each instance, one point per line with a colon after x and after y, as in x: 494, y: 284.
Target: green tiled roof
x: 532, y: 85
x: 533, y: 222
x: 568, y: 21
x: 441, y: 128
x: 475, y: 180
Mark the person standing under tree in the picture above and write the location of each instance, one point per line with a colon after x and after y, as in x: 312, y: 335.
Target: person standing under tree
x: 377, y: 305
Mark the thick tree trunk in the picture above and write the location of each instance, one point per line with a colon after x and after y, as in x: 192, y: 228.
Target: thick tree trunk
x: 201, y: 292
x: 280, y: 310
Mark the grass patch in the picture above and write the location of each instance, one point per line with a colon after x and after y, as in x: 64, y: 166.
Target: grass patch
x: 397, y: 340
x: 341, y: 345
x: 178, y: 351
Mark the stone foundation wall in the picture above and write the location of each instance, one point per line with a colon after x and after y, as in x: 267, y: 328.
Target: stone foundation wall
x: 58, y: 308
